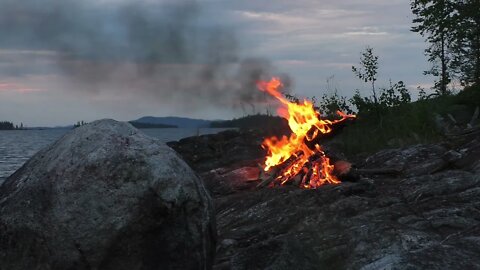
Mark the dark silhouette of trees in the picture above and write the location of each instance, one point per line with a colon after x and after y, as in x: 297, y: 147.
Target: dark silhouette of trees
x: 466, y: 44
x: 368, y: 70
x: 6, y: 125
x: 79, y: 124
x: 453, y: 30
x: 434, y: 21
x: 393, y: 96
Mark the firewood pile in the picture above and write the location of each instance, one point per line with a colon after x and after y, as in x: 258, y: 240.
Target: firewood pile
x: 342, y: 170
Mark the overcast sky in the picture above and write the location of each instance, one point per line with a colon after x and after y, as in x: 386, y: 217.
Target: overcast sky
x: 62, y: 60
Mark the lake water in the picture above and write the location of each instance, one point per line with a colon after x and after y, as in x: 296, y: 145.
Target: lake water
x: 17, y: 146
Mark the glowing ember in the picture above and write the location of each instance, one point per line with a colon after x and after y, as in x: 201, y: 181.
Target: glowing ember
x: 310, y: 168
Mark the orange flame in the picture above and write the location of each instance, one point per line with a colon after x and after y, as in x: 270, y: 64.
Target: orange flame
x: 306, y: 125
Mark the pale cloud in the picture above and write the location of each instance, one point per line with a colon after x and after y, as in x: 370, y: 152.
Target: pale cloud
x: 16, y: 52
x: 17, y: 87
x: 365, y: 31
x: 313, y: 40
x: 421, y: 85
x: 309, y: 39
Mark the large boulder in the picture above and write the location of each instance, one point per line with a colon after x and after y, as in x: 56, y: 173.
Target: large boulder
x: 106, y: 196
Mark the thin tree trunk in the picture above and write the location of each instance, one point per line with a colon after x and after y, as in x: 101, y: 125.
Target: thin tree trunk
x: 375, y: 99
x: 476, y: 31
x: 477, y: 55
x: 444, y: 79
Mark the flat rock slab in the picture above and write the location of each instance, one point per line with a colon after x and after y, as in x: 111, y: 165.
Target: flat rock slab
x: 428, y: 222
x: 426, y: 218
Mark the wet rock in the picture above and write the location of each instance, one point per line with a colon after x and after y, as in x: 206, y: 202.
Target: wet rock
x: 106, y: 196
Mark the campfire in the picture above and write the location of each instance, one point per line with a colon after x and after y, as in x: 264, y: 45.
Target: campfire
x: 298, y: 159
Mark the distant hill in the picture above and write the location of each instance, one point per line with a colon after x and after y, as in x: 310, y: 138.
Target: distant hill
x: 260, y: 121
x: 147, y: 125
x: 180, y: 122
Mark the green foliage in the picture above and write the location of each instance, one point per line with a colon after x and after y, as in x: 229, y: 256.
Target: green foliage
x: 434, y: 21
x: 404, y: 124
x: 452, y: 28
x: 330, y: 104
x: 422, y: 94
x: 368, y: 70
x: 396, y: 95
x: 466, y: 43
x: 363, y: 104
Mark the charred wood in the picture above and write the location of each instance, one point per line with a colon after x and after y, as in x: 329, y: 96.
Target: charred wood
x: 337, y: 128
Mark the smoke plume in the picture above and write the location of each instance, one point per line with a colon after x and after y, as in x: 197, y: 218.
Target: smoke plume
x: 164, y: 49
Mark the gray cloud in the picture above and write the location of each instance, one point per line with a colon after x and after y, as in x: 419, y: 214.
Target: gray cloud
x: 82, y: 29
x: 167, y: 49
x: 194, y: 58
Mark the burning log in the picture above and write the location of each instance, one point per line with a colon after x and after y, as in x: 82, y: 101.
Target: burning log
x: 272, y: 174
x: 337, y: 127
x: 267, y: 178
x: 343, y: 170
x: 299, y: 157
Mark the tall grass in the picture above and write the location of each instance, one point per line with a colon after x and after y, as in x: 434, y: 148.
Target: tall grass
x: 407, y: 124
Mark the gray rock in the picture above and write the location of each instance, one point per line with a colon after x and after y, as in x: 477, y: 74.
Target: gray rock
x: 414, y: 160
x: 106, y: 196
x: 414, y: 223
x: 427, y: 218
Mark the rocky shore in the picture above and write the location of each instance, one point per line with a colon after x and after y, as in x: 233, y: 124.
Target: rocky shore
x: 106, y: 196
x: 428, y: 217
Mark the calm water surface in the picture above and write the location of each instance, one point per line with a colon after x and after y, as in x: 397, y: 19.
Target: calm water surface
x: 17, y: 146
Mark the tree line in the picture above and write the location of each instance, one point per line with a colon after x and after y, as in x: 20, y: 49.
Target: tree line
x: 452, y: 29
x: 5, y: 125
